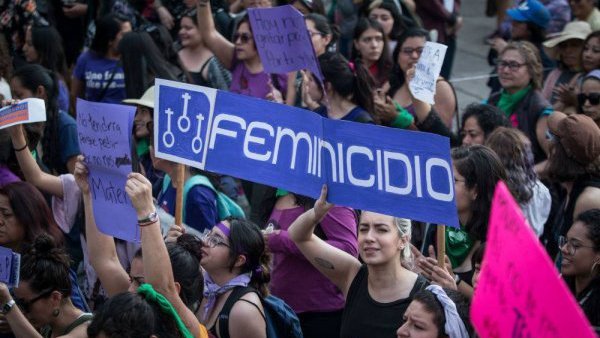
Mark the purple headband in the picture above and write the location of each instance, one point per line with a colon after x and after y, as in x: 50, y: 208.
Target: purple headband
x: 223, y: 228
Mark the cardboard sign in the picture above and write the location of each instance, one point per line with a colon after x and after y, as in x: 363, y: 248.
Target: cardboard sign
x: 392, y: 171
x: 105, y: 141
x: 422, y: 86
x: 282, y: 40
x: 26, y: 111
x: 519, y: 291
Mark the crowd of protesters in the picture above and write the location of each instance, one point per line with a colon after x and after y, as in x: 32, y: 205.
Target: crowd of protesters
x: 344, y: 272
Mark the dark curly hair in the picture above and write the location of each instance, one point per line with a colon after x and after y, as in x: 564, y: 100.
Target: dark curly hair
x: 514, y: 150
x: 433, y: 306
x: 488, y: 117
x: 130, y: 315
x: 45, y: 266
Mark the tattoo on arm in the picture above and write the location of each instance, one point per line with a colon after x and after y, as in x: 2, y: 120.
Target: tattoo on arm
x: 324, y: 263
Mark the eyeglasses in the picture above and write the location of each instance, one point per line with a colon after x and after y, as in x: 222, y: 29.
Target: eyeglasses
x: 244, y: 37
x: 512, y: 65
x: 212, y: 241
x: 410, y: 51
x: 571, y: 246
x: 594, y: 98
x: 25, y: 305
x: 312, y: 34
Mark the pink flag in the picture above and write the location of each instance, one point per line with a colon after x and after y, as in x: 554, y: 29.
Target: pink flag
x: 520, y: 292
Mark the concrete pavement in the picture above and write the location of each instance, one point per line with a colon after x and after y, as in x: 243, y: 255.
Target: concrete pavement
x: 470, y: 70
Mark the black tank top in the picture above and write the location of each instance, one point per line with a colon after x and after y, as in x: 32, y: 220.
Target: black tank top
x: 365, y: 317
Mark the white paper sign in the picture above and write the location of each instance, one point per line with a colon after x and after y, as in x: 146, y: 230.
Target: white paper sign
x: 428, y: 70
x: 26, y: 111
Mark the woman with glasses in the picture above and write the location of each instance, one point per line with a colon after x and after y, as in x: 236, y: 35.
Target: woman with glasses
x: 394, y: 106
x: 574, y: 164
x: 236, y: 264
x: 588, y: 99
x: 520, y: 74
x: 240, y: 56
x: 580, y: 264
x: 42, y: 297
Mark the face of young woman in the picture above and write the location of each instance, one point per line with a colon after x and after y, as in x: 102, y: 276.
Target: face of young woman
x: 579, y: 254
x: 418, y: 322
x: 188, y: 33
x: 18, y: 91
x: 464, y: 195
x: 385, y: 19
x: 570, y: 53
x: 136, y: 274
x: 31, y: 55
x: 589, y: 87
x: 319, y: 40
x: 472, y: 132
x: 216, y: 257
x: 12, y: 231
x: 378, y: 239
x: 370, y: 45
x: 244, y: 43
x: 39, y: 305
x: 590, y: 57
x: 143, y: 115
x: 410, y: 51
x: 512, y: 71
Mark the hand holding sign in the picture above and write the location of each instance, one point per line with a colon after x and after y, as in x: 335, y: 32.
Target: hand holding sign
x: 422, y: 86
x: 25, y: 111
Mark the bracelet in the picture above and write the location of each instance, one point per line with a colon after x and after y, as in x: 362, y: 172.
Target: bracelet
x: 21, y: 149
x: 145, y: 224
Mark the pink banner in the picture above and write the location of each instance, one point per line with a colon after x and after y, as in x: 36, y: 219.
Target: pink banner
x: 520, y: 292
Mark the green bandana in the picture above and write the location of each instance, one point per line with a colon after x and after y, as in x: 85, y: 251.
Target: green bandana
x: 165, y: 306
x: 508, y: 101
x: 142, y: 147
x: 458, y: 245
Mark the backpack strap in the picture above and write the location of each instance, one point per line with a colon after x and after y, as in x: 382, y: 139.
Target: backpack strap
x: 234, y: 296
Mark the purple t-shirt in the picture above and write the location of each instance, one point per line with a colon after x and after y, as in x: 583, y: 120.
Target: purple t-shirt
x: 255, y: 85
x: 95, y: 72
x: 293, y: 278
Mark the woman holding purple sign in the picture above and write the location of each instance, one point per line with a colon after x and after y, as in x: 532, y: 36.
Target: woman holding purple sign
x: 240, y: 56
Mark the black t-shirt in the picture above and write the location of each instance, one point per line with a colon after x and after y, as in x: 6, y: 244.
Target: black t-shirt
x: 365, y: 317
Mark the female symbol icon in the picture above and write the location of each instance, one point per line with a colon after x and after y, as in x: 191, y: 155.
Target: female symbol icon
x: 183, y: 122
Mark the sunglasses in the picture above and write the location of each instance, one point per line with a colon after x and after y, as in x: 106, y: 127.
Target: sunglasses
x: 244, y: 37
x: 25, y: 305
x: 594, y: 98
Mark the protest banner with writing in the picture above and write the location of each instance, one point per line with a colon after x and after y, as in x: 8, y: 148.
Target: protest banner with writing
x: 422, y: 86
x: 519, y: 291
x: 402, y: 173
x: 282, y: 40
x: 10, y: 265
x: 105, y: 141
x: 26, y: 111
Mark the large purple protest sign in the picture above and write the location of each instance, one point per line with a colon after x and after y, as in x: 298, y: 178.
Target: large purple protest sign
x: 105, y: 141
x: 282, y: 40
